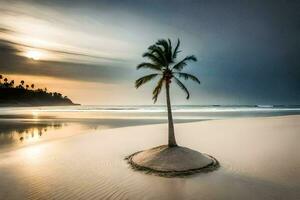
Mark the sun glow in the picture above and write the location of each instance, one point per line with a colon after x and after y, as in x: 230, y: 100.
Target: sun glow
x: 32, y: 54
x: 35, y: 114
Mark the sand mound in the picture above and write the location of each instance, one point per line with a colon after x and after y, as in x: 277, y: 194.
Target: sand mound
x: 174, y: 161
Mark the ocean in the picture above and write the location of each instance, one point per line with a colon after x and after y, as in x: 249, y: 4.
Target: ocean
x: 22, y: 126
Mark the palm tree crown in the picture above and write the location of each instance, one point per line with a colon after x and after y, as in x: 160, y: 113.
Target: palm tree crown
x: 163, y: 59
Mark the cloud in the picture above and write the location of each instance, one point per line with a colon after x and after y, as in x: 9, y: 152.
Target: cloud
x: 11, y: 63
x: 65, y: 36
x: 69, y: 53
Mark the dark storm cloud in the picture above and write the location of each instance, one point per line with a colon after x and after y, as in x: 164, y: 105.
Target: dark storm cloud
x: 5, y: 30
x: 10, y: 44
x: 11, y: 63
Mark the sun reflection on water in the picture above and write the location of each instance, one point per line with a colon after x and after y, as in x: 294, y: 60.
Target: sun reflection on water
x: 35, y: 114
x: 33, y: 153
x: 34, y: 136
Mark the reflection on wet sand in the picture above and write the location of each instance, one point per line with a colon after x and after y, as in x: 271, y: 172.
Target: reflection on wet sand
x: 25, y: 131
x: 16, y: 133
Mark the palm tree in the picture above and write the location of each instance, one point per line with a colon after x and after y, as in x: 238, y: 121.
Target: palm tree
x: 12, y: 82
x: 5, y: 82
x: 27, y: 86
x: 22, y: 84
x: 32, y: 86
x: 163, y: 60
x: 1, y: 77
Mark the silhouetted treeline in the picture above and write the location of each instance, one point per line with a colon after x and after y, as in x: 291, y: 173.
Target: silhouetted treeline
x: 26, y: 95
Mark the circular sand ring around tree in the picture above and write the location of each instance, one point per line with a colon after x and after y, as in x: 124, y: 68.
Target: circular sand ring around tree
x: 172, y: 161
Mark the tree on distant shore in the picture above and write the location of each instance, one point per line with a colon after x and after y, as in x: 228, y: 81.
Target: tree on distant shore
x: 5, y: 82
x: 12, y: 83
x: 7, y: 85
x: 163, y: 61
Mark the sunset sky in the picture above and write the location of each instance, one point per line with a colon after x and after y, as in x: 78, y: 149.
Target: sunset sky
x: 248, y: 51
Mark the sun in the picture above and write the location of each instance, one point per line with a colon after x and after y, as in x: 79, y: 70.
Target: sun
x: 32, y: 54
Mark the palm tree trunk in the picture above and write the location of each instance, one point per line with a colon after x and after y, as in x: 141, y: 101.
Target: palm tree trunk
x: 171, y: 136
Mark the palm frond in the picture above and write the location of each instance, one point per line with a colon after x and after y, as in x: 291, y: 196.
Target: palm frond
x: 176, y: 49
x: 180, y: 65
x: 160, y: 53
x: 163, y: 43
x: 170, y: 57
x: 182, y: 86
x: 144, y: 80
x: 187, y: 76
x: 153, y: 58
x: 166, y: 46
x: 149, y: 66
x: 157, y: 89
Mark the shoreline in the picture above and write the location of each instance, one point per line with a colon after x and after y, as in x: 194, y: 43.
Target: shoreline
x: 11, y: 120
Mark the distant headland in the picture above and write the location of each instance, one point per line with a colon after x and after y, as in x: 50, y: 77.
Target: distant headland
x: 27, y: 95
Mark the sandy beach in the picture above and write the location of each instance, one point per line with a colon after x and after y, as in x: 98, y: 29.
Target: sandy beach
x: 259, y: 159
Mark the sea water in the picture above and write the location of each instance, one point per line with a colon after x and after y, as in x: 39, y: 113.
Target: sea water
x: 22, y: 126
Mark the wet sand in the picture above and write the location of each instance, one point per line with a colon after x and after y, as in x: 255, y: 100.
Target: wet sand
x: 259, y: 159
